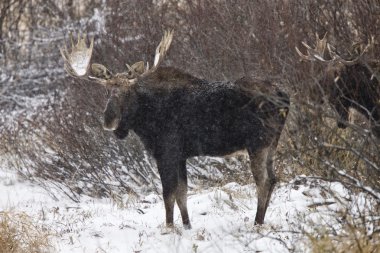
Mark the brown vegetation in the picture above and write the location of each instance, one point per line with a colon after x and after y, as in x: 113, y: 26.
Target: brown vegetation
x: 215, y: 40
x: 20, y: 234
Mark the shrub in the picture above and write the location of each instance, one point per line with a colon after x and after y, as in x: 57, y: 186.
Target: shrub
x: 20, y: 234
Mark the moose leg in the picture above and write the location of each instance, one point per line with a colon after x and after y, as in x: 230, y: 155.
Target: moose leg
x: 169, y: 179
x: 342, y: 111
x: 271, y: 175
x: 265, y: 179
x: 181, y: 195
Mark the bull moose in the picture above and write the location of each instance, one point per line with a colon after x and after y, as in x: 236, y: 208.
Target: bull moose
x: 178, y: 116
x: 348, y: 83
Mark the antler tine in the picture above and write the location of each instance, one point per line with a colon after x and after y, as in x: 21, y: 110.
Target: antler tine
x: 147, y: 66
x: 65, y: 56
x: 321, y: 44
x: 311, y: 53
x: 163, y: 47
x: 71, y: 40
x: 304, y: 56
x: 332, y: 53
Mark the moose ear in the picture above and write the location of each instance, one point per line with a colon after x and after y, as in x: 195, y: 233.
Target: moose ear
x: 138, y: 67
x: 99, y: 71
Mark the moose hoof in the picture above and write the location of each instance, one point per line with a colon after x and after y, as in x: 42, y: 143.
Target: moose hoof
x: 168, y: 229
x: 259, y: 222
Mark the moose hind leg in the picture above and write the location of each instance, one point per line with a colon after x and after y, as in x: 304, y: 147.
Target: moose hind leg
x: 181, y: 195
x: 271, y: 175
x: 262, y: 170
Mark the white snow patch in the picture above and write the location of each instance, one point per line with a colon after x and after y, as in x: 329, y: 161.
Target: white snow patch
x: 222, y: 219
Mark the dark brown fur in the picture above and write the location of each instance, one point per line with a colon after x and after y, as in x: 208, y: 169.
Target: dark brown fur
x: 353, y: 87
x: 178, y: 116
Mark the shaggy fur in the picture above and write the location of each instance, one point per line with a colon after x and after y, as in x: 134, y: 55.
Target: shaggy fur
x: 353, y: 86
x: 178, y: 116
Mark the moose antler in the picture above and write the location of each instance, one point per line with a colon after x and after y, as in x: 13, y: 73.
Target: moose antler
x: 161, y: 50
x: 364, y: 48
x: 77, y: 63
x: 317, y: 53
x: 314, y: 53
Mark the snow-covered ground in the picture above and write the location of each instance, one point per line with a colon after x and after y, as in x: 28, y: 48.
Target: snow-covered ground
x: 222, y: 218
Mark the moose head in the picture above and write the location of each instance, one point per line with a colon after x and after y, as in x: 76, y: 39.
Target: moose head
x: 348, y: 83
x: 77, y: 64
x: 178, y: 116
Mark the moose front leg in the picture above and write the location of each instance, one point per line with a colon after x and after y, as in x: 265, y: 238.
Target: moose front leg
x: 169, y: 180
x: 174, y: 186
x: 262, y: 170
x: 181, y: 195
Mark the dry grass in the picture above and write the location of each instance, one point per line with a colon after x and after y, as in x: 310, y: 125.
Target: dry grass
x: 323, y: 150
x: 349, y: 230
x: 20, y: 234
x: 352, y: 240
